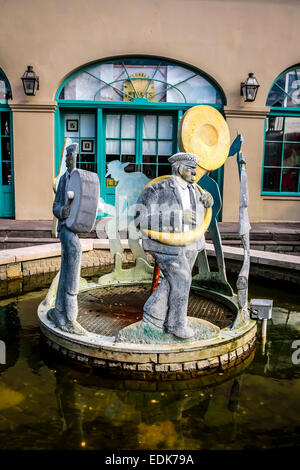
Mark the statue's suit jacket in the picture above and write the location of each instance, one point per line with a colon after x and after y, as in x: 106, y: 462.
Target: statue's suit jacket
x: 59, y: 200
x: 160, y: 208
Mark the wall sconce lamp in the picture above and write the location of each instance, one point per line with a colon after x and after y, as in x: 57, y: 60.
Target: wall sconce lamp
x: 30, y: 81
x: 249, y: 88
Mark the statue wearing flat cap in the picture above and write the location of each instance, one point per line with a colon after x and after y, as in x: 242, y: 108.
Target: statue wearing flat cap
x: 170, y: 214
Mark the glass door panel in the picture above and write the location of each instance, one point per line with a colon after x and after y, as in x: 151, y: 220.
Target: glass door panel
x: 158, y: 144
x: 81, y: 129
x: 120, y: 144
x: 144, y: 141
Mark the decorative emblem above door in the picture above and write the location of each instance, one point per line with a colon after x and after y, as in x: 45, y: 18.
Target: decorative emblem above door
x: 138, y: 86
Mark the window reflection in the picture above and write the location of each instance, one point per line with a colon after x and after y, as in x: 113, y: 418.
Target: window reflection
x: 271, y: 179
x: 274, y: 130
x: 290, y: 180
x: 273, y: 153
x: 291, y: 155
x: 5, y: 124
x: 292, y: 129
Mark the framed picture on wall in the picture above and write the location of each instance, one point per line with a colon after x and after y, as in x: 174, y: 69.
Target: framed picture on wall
x: 72, y: 125
x: 87, y: 146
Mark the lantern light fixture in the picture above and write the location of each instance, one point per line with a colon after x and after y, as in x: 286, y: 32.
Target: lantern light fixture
x: 30, y: 81
x: 249, y: 88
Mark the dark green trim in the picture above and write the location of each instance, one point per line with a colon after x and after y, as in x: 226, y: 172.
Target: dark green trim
x: 134, y: 105
x: 276, y: 111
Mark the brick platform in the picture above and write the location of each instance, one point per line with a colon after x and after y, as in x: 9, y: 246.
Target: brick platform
x: 182, y: 360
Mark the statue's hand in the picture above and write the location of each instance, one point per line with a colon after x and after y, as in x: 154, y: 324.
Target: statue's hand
x: 188, y: 217
x: 207, y: 199
x: 65, y: 212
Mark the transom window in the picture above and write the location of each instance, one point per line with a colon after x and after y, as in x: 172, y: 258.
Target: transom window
x: 5, y: 90
x: 285, y: 91
x: 129, y: 79
x: 281, y: 168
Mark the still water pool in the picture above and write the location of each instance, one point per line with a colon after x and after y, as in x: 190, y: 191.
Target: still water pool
x: 45, y: 404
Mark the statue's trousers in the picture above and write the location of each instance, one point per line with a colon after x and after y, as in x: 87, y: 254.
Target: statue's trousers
x: 167, y: 306
x: 68, y: 286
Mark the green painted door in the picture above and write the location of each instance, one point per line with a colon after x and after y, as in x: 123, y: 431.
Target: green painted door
x: 144, y: 140
x: 6, y: 165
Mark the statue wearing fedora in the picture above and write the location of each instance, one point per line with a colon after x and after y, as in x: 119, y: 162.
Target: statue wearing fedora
x: 169, y: 206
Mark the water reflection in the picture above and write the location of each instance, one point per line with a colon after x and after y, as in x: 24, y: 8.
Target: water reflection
x: 10, y: 334
x: 129, y: 414
x: 45, y: 404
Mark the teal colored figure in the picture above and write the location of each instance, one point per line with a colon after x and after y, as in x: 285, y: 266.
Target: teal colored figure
x: 128, y: 190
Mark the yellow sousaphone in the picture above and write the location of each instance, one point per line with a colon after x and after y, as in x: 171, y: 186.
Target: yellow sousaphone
x: 204, y: 132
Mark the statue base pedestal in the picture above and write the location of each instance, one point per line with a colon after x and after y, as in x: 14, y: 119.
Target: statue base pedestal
x: 115, y: 345
x: 145, y: 333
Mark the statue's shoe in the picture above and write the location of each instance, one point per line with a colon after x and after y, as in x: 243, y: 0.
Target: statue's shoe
x: 54, y: 318
x: 183, y: 332
x: 74, y: 328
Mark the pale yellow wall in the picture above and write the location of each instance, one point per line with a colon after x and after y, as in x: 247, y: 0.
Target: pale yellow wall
x: 225, y: 38
x: 280, y: 209
x: 34, y: 164
x: 252, y: 129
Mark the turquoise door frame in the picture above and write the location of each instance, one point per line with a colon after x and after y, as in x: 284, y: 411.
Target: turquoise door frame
x: 7, y: 195
x: 138, y: 107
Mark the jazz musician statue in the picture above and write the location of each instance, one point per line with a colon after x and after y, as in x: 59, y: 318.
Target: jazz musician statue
x: 169, y: 206
x: 64, y: 315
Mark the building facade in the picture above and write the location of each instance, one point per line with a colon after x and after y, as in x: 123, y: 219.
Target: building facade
x: 116, y: 77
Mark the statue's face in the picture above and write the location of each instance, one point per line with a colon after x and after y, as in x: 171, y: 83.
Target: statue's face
x: 187, y: 173
x: 70, y: 162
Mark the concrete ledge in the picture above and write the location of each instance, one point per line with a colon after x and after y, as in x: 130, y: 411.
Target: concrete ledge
x: 259, y: 257
x: 39, y: 252
x: 7, y: 257
x: 45, y: 258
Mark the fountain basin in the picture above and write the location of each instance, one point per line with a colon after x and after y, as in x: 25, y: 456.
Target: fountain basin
x: 104, y: 348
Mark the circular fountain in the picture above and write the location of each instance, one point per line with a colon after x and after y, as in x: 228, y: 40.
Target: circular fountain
x: 115, y: 339
x: 122, y: 325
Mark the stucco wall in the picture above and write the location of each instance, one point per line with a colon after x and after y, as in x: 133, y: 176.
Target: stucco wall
x: 225, y: 38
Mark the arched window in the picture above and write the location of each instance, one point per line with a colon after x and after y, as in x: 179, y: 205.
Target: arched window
x: 128, y: 109
x: 6, y: 155
x: 281, y: 166
x: 5, y: 90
